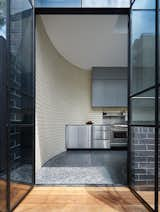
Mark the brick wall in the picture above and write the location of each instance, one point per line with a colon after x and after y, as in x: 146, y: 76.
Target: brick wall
x: 142, y: 154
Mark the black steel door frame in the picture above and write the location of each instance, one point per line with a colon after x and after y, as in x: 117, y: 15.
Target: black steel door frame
x: 156, y: 125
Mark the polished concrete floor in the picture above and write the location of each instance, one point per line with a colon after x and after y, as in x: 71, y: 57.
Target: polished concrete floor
x: 84, y: 167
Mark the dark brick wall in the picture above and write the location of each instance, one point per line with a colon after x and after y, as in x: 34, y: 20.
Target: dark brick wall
x: 142, y: 157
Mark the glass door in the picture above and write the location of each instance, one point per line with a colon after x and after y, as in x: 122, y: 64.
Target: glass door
x: 21, y: 99
x: 142, y: 101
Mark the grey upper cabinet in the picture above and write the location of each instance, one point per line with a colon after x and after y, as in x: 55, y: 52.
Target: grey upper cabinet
x: 109, y: 87
x: 98, y: 93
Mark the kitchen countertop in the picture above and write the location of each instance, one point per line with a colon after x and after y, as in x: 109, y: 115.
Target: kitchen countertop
x: 89, y: 125
x: 115, y: 125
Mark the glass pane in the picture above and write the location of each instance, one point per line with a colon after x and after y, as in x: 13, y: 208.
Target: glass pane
x: 106, y: 3
x: 83, y: 3
x: 142, y: 50
x: 21, y: 99
x: 58, y: 3
x: 159, y: 169
x: 3, y: 100
x: 143, y: 108
x: 159, y: 39
x: 21, y: 74
x: 142, y: 162
x: 21, y: 162
x: 144, y: 4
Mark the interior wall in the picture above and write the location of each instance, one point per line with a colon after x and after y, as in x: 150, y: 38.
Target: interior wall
x: 63, y: 96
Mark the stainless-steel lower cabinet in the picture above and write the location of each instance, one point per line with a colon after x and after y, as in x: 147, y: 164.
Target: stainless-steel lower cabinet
x: 101, y: 144
x: 87, y: 137
x: 78, y: 137
x: 101, y: 136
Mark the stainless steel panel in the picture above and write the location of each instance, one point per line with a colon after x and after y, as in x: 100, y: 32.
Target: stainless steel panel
x: 71, y: 137
x: 87, y: 137
x: 84, y: 137
x: 119, y: 143
x: 101, y: 127
x: 101, y: 135
x: 101, y: 144
x: 78, y: 137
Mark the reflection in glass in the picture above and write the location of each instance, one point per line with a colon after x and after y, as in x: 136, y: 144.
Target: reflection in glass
x: 142, y: 50
x: 21, y: 99
x: 159, y: 117
x: 106, y: 3
x: 159, y: 39
x: 143, y: 162
x: 83, y: 3
x: 3, y: 145
x: 144, y: 4
x: 143, y: 108
x: 58, y: 3
x: 159, y: 166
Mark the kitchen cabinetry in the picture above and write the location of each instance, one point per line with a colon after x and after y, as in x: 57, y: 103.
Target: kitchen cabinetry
x: 87, y: 137
x: 109, y: 87
x: 78, y: 137
x: 101, y: 137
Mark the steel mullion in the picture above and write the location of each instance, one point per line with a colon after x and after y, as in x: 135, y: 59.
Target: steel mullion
x: 156, y: 103
x: 129, y: 102
x: 7, y: 104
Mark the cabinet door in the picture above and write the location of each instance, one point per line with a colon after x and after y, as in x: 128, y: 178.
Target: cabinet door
x: 84, y: 137
x: 71, y: 137
x: 115, y: 93
x: 109, y: 93
x: 97, y: 93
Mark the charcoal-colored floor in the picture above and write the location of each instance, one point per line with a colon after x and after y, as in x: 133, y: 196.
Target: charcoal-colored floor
x: 85, y: 167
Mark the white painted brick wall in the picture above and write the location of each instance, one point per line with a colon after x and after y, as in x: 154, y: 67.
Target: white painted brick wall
x: 62, y: 97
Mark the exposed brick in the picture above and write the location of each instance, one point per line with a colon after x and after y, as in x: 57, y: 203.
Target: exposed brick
x: 142, y: 157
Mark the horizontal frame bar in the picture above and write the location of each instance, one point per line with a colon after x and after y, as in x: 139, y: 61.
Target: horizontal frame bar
x: 142, y: 91
x: 87, y: 11
x: 144, y: 10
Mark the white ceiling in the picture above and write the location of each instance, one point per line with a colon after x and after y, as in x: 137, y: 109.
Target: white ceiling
x: 89, y: 40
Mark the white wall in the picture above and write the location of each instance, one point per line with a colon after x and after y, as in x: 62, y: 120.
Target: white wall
x: 63, y: 94
x: 62, y: 97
